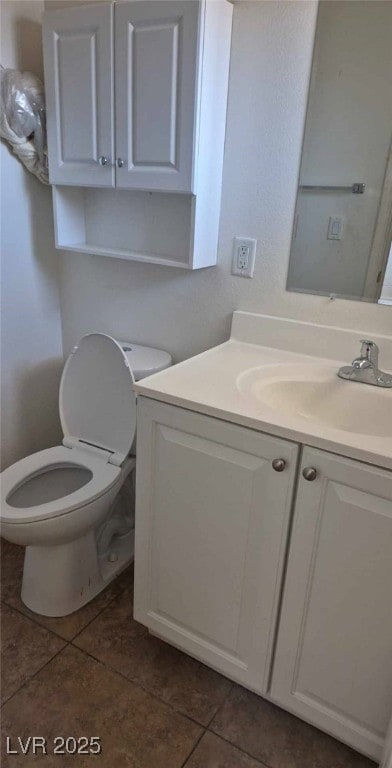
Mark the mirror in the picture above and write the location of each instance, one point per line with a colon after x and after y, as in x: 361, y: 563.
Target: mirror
x: 341, y: 242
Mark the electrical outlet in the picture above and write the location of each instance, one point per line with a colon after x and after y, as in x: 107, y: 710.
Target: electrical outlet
x: 243, y: 257
x: 244, y: 252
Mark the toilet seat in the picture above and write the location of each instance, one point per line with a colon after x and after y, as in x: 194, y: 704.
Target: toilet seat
x: 104, y: 475
x: 98, y: 416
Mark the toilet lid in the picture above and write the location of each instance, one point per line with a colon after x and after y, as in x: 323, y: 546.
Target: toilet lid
x: 97, y: 399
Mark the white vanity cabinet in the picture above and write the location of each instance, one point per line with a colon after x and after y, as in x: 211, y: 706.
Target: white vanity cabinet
x: 333, y: 661
x: 136, y: 98
x: 212, y: 539
x: 212, y: 521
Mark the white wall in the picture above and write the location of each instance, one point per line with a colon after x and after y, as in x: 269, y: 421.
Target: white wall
x: 347, y: 139
x: 31, y: 329
x: 186, y: 313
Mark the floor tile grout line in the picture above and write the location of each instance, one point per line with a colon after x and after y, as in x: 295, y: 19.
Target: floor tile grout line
x: 215, y: 733
x: 36, y: 673
x: 33, y: 619
x: 79, y: 632
x: 80, y: 648
x: 240, y: 749
x: 53, y: 631
x: 141, y: 687
x: 221, y: 703
x: 250, y: 754
x: 196, y: 744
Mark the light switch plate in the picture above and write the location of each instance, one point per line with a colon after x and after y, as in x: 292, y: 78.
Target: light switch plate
x: 335, y: 228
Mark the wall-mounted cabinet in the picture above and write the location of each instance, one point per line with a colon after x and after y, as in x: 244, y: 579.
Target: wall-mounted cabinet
x: 136, y: 101
x: 151, y: 227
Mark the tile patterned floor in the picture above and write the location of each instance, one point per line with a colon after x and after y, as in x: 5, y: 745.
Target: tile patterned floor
x: 99, y: 673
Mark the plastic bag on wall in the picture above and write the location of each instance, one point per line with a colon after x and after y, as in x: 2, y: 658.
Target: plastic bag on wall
x: 23, y: 119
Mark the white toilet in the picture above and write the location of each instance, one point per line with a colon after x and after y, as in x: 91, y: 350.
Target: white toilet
x: 71, y: 506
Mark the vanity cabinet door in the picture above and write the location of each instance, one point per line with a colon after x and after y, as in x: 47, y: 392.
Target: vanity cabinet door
x: 211, y: 527
x: 333, y: 662
x: 78, y: 53
x: 156, y: 93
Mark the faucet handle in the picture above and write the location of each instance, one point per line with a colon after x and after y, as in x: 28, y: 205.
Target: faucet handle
x: 369, y: 351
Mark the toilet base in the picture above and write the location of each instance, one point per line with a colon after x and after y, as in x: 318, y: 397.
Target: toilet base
x: 58, y: 580
x: 119, y: 555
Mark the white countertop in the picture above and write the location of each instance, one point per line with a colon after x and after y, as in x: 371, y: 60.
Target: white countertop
x: 207, y: 384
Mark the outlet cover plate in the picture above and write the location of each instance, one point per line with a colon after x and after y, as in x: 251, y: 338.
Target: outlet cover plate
x: 240, y: 266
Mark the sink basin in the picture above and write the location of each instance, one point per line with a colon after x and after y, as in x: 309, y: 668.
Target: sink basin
x: 316, y: 394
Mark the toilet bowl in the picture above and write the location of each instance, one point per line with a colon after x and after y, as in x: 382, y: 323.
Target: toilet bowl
x: 69, y: 505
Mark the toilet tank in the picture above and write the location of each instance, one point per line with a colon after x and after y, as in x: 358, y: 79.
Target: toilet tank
x: 144, y: 361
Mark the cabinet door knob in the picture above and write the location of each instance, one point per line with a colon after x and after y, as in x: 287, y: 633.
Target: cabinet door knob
x: 309, y: 473
x: 278, y: 465
x: 120, y: 162
x: 103, y: 160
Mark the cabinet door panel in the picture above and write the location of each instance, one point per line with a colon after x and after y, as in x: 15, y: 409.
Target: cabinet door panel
x: 333, y: 661
x: 156, y: 80
x: 79, y: 92
x: 212, y: 519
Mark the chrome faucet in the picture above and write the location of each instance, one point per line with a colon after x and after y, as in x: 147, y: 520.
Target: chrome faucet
x: 364, y: 368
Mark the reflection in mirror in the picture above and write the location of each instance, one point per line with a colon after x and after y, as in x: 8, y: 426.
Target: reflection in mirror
x: 342, y: 229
